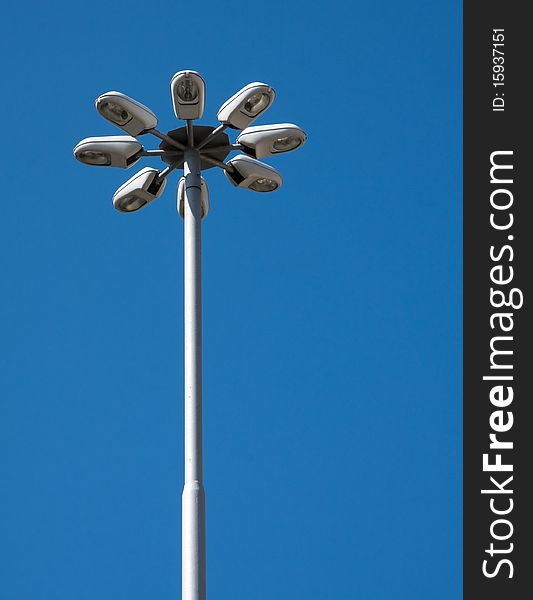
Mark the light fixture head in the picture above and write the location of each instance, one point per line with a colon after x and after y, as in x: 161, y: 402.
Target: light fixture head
x: 246, y: 105
x: 253, y: 175
x: 121, y: 151
x: 124, y: 112
x: 144, y: 187
x: 187, y: 89
x: 181, y: 198
x: 267, y: 140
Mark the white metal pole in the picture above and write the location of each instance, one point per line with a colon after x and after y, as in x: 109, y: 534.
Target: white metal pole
x: 193, y: 499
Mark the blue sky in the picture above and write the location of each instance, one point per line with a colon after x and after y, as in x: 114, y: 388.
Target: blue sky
x: 332, y: 323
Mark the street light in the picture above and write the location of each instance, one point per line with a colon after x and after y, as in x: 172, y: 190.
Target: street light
x: 121, y: 151
x: 187, y: 89
x: 253, y: 175
x: 124, y: 112
x: 181, y: 198
x: 144, y: 187
x: 267, y: 140
x: 192, y: 148
x: 246, y: 105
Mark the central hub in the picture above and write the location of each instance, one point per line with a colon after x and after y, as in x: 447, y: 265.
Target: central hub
x: 200, y: 133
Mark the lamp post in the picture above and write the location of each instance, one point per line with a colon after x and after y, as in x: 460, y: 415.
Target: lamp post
x: 192, y: 148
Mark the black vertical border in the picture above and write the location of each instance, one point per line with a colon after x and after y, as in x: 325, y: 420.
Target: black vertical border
x: 486, y: 131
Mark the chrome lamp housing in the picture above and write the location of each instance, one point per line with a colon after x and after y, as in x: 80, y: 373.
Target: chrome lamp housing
x: 267, y: 140
x: 253, y: 175
x: 125, y: 112
x: 204, y: 192
x: 187, y: 89
x: 121, y: 151
x: 144, y: 187
x: 246, y: 105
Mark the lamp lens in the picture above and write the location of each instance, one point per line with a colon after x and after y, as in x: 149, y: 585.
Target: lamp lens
x: 115, y: 113
x: 256, y: 104
x: 263, y: 184
x: 187, y: 90
x: 131, y: 203
x: 284, y: 144
x: 91, y: 157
